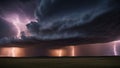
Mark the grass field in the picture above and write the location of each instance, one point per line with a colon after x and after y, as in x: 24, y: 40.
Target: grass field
x: 81, y: 62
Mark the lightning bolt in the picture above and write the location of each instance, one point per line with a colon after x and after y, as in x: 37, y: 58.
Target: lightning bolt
x: 115, y: 47
x: 13, y: 52
x: 19, y: 23
x: 72, y: 51
x: 16, y: 22
x: 60, y: 52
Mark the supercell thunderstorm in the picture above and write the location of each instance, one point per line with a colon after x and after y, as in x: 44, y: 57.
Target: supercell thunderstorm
x: 65, y: 19
x: 57, y: 19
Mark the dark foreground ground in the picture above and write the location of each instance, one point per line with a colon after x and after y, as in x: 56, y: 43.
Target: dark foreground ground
x: 79, y: 62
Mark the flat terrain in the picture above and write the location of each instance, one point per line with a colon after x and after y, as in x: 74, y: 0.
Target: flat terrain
x: 80, y: 62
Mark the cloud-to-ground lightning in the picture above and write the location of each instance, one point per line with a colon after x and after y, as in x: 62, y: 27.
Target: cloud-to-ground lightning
x: 60, y: 52
x: 57, y: 52
x: 115, y: 47
x: 13, y: 52
x: 72, y: 50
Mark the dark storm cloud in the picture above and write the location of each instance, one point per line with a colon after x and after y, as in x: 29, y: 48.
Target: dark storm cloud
x: 62, y: 19
x: 49, y: 7
x: 70, y: 22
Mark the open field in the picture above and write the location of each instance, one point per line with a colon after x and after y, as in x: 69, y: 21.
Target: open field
x: 80, y: 62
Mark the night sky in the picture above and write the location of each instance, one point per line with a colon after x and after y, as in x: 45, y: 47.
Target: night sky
x: 83, y: 26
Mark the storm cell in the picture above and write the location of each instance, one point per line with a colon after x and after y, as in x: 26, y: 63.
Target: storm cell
x: 65, y: 19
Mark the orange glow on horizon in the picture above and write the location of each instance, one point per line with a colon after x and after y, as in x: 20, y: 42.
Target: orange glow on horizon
x: 57, y: 52
x: 12, y: 52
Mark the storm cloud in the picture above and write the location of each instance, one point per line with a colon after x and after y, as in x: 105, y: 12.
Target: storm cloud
x: 63, y: 19
x: 72, y: 22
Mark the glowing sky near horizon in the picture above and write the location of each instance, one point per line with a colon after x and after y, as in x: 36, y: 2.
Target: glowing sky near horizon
x: 12, y: 52
x: 80, y: 50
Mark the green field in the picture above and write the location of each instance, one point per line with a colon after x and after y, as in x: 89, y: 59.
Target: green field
x: 60, y: 62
